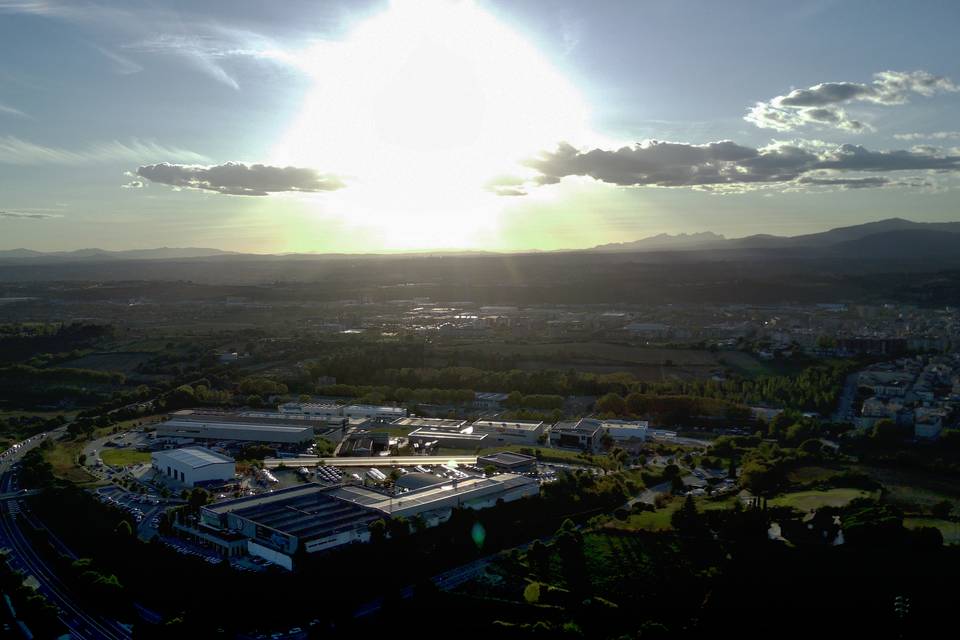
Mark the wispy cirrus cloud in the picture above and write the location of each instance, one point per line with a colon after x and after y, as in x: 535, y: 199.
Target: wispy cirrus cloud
x: 823, y: 104
x: 6, y: 109
x: 17, y: 151
x: 204, y: 44
x: 240, y: 179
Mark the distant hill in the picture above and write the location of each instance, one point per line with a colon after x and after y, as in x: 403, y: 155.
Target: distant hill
x: 824, y: 239
x: 666, y: 242
x: 163, y: 253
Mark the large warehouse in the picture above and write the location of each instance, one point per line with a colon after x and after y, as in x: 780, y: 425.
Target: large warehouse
x: 242, y: 431
x: 194, y: 465
x: 276, y: 524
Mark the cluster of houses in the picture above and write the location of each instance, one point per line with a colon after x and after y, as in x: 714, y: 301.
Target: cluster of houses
x: 919, y: 392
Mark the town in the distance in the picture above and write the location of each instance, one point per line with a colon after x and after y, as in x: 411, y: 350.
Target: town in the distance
x: 297, y: 459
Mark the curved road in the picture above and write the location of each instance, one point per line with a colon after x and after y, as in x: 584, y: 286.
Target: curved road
x: 80, y: 623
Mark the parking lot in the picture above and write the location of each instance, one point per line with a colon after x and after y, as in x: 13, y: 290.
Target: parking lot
x: 145, y: 509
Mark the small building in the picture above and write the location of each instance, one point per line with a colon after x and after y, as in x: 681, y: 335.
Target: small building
x: 626, y: 432
x: 194, y: 466
x: 373, y: 412
x: 501, y: 431
x: 586, y: 435
x: 509, y: 461
x: 488, y: 400
x: 429, y: 437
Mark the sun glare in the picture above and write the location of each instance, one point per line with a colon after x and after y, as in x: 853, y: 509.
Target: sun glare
x: 420, y: 107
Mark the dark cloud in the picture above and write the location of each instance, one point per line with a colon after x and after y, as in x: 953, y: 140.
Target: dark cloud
x: 20, y: 215
x: 236, y: 178
x: 846, y: 183
x: 851, y: 157
x: 672, y: 164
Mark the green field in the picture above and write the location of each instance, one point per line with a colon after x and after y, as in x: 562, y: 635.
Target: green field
x: 123, y: 457
x: 63, y: 458
x: 811, y: 500
x: 913, y: 490
x: 950, y: 530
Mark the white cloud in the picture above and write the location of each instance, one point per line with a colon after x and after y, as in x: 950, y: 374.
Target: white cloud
x: 820, y: 105
x: 11, y: 111
x: 16, y: 151
x: 121, y: 64
x: 936, y: 135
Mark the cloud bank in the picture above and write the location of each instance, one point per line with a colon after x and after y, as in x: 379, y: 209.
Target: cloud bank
x: 728, y: 164
x: 239, y: 179
x: 821, y: 104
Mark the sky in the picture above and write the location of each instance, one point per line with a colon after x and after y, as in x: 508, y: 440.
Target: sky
x: 503, y: 125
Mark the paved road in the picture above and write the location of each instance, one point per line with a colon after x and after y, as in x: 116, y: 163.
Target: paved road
x: 844, y: 412
x: 80, y: 623
x: 649, y: 496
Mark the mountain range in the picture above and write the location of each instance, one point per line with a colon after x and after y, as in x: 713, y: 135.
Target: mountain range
x: 893, y: 239
x: 890, y: 229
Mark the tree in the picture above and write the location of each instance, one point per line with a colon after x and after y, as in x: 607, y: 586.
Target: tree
x: 378, y: 530
x: 732, y: 468
x: 942, y: 509
x: 676, y: 485
x: 611, y: 403
x: 686, y: 520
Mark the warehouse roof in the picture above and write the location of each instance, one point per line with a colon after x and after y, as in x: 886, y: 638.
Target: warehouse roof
x: 236, y: 426
x: 194, y: 457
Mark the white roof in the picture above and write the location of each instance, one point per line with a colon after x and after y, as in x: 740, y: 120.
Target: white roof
x: 194, y: 457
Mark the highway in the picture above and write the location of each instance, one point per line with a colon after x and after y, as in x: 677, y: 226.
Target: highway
x: 377, y: 461
x: 80, y: 623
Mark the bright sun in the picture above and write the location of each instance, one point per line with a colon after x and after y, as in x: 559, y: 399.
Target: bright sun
x: 420, y: 107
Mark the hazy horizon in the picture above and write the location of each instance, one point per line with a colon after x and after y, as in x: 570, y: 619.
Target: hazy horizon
x: 359, y: 127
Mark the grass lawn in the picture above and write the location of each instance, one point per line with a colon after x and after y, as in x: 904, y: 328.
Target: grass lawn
x: 123, y: 457
x: 913, y: 490
x: 950, y: 530
x: 658, y: 520
x: 63, y: 458
x: 802, y: 475
x: 809, y: 500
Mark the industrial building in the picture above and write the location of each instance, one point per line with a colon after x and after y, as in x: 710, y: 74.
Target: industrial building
x: 327, y: 410
x: 199, y: 429
x: 626, y: 431
x: 578, y: 435
x: 194, y: 466
x: 319, y: 518
x: 508, y: 461
x: 501, y: 431
x: 430, y: 433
